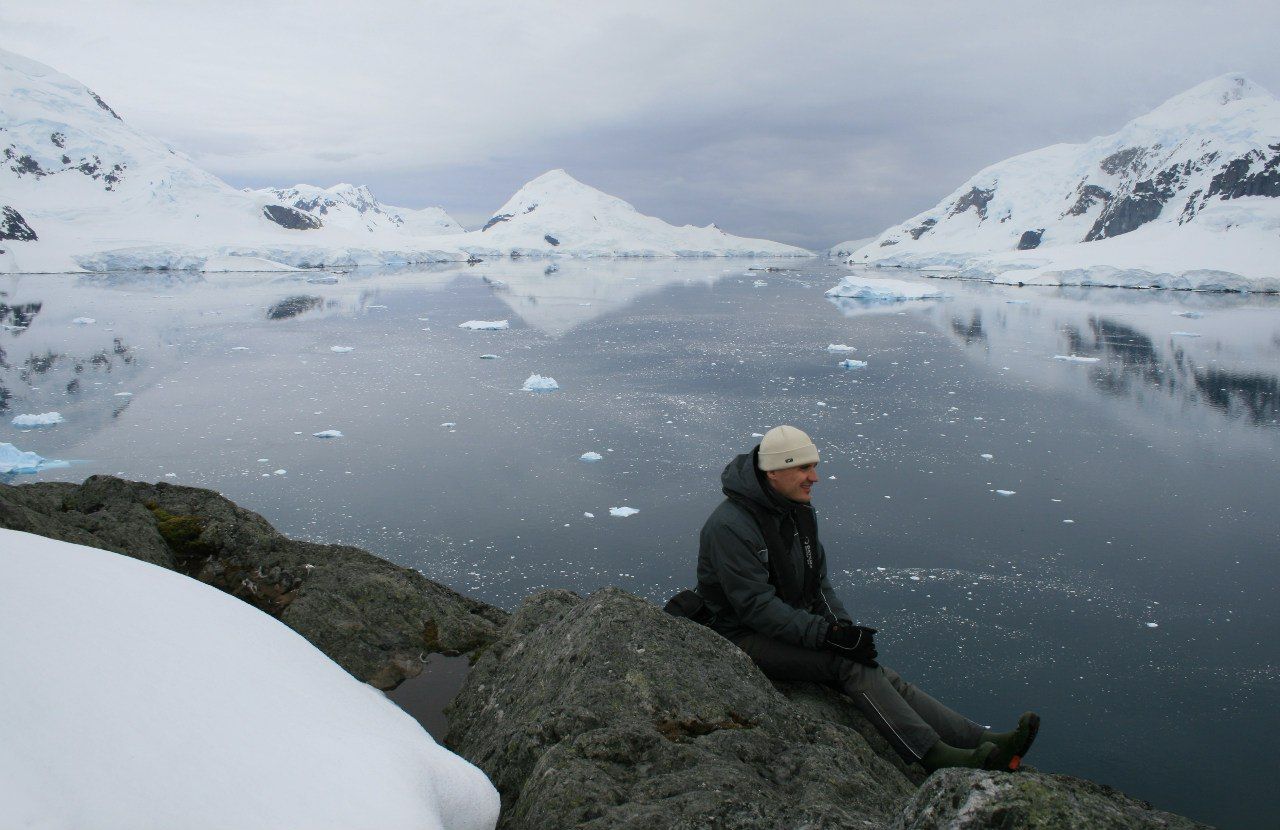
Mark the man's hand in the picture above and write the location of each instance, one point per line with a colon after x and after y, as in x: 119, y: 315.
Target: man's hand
x: 853, y: 641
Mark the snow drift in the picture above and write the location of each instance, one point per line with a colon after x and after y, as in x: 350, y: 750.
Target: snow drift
x: 137, y: 697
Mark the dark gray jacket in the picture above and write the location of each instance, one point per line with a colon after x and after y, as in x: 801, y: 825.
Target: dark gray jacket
x: 733, y: 566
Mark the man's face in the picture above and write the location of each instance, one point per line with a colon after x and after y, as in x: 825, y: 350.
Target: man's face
x: 794, y: 482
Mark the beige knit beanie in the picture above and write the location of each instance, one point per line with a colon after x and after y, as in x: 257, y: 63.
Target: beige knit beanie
x: 786, y: 446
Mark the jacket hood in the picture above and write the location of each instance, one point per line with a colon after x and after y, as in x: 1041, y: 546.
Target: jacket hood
x: 740, y: 479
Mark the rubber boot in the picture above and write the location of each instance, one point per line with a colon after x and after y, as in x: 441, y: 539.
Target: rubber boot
x: 944, y: 755
x: 1013, y: 745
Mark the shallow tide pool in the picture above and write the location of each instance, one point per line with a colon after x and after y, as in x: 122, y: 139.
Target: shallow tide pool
x: 1060, y: 499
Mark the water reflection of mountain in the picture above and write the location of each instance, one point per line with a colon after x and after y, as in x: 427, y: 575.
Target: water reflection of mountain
x: 558, y: 300
x: 1221, y: 360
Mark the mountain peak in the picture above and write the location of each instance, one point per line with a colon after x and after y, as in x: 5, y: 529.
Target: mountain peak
x: 1216, y: 98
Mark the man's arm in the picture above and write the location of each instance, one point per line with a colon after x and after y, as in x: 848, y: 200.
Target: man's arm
x: 741, y: 567
x: 833, y: 603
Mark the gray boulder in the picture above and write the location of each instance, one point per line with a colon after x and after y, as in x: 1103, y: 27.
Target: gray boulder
x: 975, y: 800
x: 607, y: 713
x: 375, y: 619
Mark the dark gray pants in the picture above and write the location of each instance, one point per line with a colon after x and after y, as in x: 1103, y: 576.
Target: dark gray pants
x: 908, y: 718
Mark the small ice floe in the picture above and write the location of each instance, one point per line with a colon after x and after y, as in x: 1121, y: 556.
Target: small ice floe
x: 839, y: 347
x: 622, y: 512
x: 342, y: 349
x: 449, y: 424
x: 327, y: 433
x: 537, y: 383
x: 850, y: 363
x: 876, y: 290
x: 1075, y: 358
x: 14, y: 460
x: 1191, y: 315
x: 586, y: 515
x: 485, y: 325
x: 84, y: 321
x: 590, y: 456
x: 488, y: 357
x: 1183, y: 334
x: 280, y: 472
x: 263, y: 460
x: 239, y: 348
x: 124, y: 394
x: 323, y: 279
x: 1068, y: 521
x: 1015, y: 302
x: 1006, y: 492
x: 45, y: 419
x: 1152, y: 625
x: 757, y: 435
x: 987, y: 456
x: 760, y: 283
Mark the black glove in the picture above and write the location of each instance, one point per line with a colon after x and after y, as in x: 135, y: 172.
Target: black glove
x: 856, y: 642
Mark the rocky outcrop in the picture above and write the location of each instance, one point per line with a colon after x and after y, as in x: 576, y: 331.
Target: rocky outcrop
x: 976, y: 800
x: 607, y: 713
x: 375, y: 619
x: 13, y: 226
x: 291, y: 218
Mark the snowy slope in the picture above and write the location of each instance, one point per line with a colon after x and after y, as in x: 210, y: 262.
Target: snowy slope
x: 355, y: 208
x: 82, y: 189
x: 1186, y: 196
x: 135, y: 697
x: 557, y: 215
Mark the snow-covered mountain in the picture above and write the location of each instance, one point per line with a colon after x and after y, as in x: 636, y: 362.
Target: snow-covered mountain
x: 82, y: 189
x: 355, y: 208
x: 1186, y: 196
x: 557, y: 215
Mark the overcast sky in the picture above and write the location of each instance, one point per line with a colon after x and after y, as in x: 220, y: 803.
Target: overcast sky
x: 809, y: 123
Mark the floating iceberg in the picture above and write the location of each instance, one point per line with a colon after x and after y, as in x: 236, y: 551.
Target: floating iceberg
x: 839, y: 348
x: 852, y: 364
x: 14, y: 460
x: 46, y: 419
x: 590, y: 456
x: 876, y: 290
x: 622, y: 512
x: 1006, y: 492
x: 537, y: 383
x: 485, y: 325
x: 84, y: 321
x: 1075, y: 358
x: 342, y: 349
x: 328, y: 433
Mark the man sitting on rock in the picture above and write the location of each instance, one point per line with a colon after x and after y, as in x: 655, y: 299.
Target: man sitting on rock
x: 762, y: 573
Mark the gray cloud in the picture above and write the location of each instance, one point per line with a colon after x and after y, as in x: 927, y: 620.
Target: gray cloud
x: 813, y: 124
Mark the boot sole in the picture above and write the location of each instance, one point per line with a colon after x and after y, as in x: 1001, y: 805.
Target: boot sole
x: 1016, y: 760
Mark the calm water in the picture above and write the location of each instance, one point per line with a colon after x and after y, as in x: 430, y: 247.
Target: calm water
x: 1127, y: 589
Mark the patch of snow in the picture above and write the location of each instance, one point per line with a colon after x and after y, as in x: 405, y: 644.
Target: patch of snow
x: 192, y: 690
x: 485, y: 325
x: 537, y: 383
x: 622, y: 512
x: 46, y: 419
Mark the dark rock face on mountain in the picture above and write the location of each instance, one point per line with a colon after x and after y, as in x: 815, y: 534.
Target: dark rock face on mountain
x: 291, y: 218
x: 1030, y: 240
x: 13, y: 226
x: 977, y: 800
x: 373, y: 618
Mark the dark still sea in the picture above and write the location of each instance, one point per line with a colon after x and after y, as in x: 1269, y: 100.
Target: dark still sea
x: 1093, y: 537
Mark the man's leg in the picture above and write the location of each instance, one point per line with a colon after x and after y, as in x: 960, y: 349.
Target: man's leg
x: 870, y: 689
x: 950, y: 725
